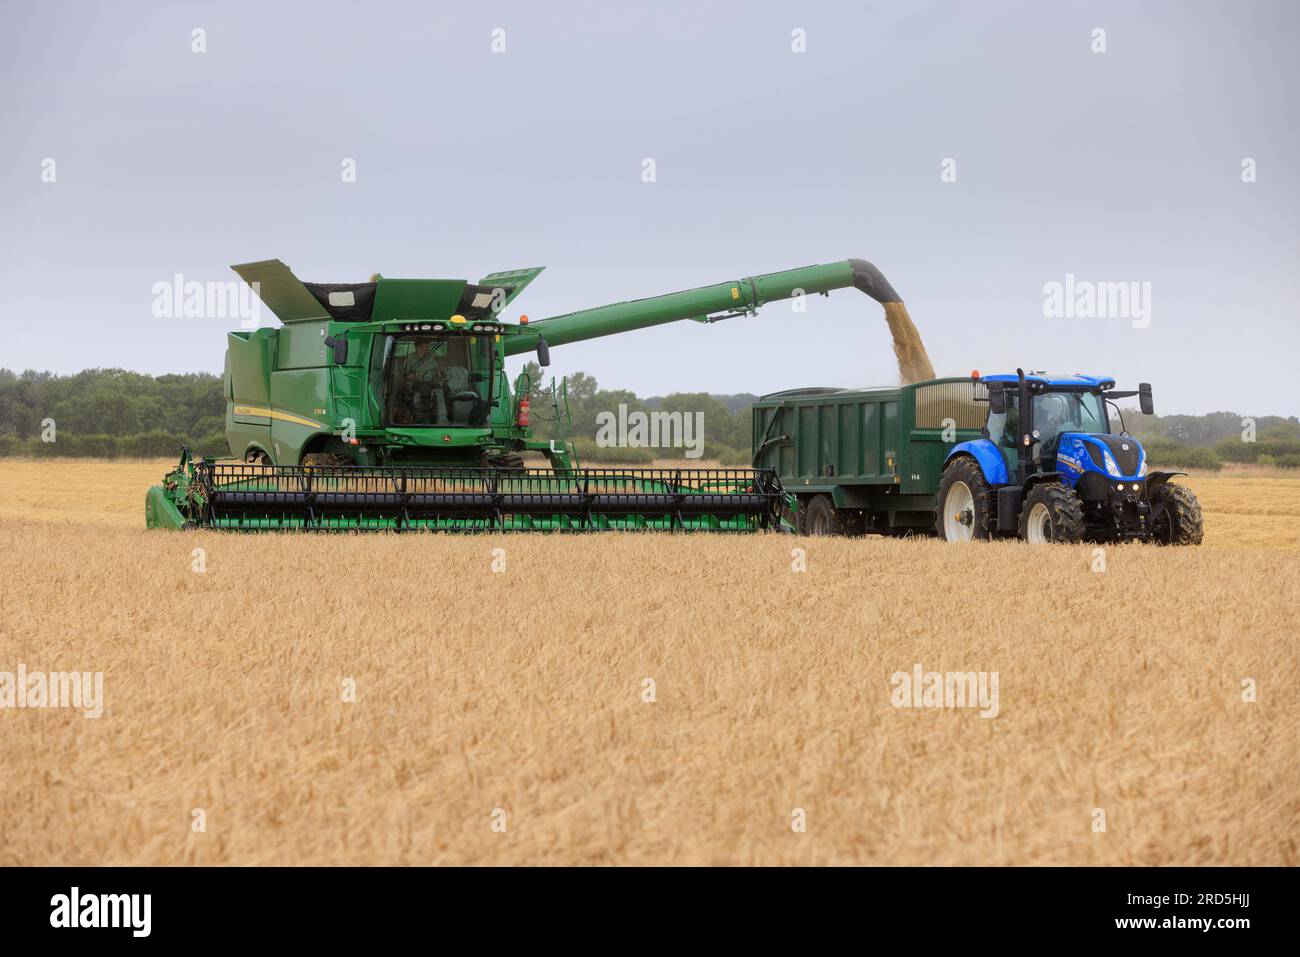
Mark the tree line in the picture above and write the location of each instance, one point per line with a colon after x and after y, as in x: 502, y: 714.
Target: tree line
x: 113, y: 413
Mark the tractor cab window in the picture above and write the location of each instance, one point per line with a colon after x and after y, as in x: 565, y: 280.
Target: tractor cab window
x: 1004, y: 427
x: 1072, y: 411
x: 1054, y: 413
x: 436, y: 380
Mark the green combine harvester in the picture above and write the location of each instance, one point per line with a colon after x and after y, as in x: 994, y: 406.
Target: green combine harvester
x: 385, y: 406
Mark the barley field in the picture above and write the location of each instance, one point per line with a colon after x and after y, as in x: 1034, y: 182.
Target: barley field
x: 626, y: 699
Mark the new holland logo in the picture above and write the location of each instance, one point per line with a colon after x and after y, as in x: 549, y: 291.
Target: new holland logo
x: 1124, y: 446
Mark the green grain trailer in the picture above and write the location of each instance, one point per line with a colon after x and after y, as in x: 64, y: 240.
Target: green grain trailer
x: 865, y: 460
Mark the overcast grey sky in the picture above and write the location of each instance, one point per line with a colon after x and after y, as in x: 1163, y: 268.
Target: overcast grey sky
x: 1123, y: 165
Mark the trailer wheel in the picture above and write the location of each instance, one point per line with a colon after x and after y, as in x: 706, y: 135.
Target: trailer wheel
x: 818, y: 516
x: 1052, y: 513
x: 1179, y: 518
x: 963, y: 498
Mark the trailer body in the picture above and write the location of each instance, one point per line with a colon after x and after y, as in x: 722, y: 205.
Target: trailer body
x: 877, y: 453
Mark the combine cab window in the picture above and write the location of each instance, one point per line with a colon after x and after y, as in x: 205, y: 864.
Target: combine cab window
x: 434, y: 380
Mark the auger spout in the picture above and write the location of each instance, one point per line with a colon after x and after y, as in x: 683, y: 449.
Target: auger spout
x: 739, y: 297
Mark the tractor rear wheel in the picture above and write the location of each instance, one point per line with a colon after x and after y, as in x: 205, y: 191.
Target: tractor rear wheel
x: 1052, y: 513
x: 1179, y: 518
x: 818, y: 516
x: 963, y: 502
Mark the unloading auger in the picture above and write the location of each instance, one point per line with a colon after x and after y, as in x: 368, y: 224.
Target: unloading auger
x: 385, y: 405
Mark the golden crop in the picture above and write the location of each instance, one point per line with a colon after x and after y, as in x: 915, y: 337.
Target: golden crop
x: 523, y: 691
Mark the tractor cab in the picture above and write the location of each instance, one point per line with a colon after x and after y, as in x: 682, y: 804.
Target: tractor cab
x: 1059, y: 409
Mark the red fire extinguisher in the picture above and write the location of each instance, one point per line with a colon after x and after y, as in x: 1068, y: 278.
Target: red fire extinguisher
x: 522, y: 419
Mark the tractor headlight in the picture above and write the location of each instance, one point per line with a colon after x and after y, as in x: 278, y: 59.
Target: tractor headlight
x: 1111, y: 467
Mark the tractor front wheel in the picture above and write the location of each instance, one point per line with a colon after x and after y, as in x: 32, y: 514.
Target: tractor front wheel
x: 1052, y: 513
x: 963, y: 502
x: 1177, y: 516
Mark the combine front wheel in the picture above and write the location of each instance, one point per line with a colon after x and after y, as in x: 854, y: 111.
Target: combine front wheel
x: 318, y: 460
x: 506, y: 462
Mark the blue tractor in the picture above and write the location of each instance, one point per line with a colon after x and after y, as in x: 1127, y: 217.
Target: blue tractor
x: 1049, y: 469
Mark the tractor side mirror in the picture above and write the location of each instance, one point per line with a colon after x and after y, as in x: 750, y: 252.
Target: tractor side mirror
x: 340, y: 347
x: 997, y: 400
x: 1144, y: 399
x: 543, y: 353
